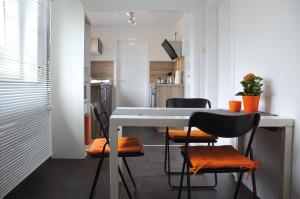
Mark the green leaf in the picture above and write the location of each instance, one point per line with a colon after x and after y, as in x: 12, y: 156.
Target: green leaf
x: 240, y: 94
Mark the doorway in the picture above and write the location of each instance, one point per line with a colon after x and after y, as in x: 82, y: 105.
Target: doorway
x: 132, y: 74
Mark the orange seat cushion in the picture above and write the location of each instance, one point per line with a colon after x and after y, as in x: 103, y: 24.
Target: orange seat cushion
x: 125, y: 145
x: 196, y: 135
x: 217, y: 157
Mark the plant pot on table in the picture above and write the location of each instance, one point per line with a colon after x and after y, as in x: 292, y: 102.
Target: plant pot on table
x: 251, y: 103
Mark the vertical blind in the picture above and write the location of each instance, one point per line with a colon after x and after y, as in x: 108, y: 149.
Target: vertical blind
x: 25, y: 139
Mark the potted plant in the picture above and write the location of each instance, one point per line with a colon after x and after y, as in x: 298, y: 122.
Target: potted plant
x: 252, y: 85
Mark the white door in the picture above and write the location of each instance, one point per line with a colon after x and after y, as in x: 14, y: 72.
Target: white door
x: 132, y: 74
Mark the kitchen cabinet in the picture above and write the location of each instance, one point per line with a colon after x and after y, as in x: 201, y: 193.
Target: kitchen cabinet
x: 162, y: 92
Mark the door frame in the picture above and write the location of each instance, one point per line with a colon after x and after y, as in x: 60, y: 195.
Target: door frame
x: 116, y: 69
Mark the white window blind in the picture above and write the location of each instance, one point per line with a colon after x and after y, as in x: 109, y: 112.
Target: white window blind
x: 25, y: 139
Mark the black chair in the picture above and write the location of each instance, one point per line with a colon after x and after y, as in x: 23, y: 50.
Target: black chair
x: 220, y: 159
x: 179, y: 136
x: 127, y: 147
x: 188, y: 103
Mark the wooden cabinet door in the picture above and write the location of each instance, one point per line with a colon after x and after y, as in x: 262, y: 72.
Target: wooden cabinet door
x: 162, y: 94
x: 177, y: 91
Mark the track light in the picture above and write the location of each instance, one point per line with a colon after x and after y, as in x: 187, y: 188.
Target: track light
x: 131, y: 16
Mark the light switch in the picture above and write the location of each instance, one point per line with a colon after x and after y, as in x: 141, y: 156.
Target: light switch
x: 203, y: 50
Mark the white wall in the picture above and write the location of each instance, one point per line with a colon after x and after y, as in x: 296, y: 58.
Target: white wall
x: 211, y: 59
x: 219, y: 70
x: 197, y: 50
x: 183, y: 34
x: 87, y: 63
x: 218, y: 84
x: 67, y: 73
x: 182, y: 29
x: 154, y: 36
x: 225, y: 69
x: 267, y: 38
x: 199, y: 56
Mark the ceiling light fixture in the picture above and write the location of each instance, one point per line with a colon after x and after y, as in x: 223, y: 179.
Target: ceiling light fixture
x: 131, y: 16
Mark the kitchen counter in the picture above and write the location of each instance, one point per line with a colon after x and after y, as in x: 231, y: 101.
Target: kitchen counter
x: 161, y: 92
x: 167, y: 85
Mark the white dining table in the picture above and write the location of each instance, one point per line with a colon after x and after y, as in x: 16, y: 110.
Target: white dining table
x: 179, y: 117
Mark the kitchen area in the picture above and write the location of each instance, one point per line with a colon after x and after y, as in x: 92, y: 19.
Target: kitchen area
x: 136, y: 65
x: 166, y: 80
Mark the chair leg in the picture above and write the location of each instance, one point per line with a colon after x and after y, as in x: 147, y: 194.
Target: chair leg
x: 254, y: 185
x: 168, y: 159
x: 181, y: 180
x: 238, y: 185
x: 188, y: 180
x: 208, y: 187
x: 166, y: 149
x: 253, y: 178
x: 216, y: 175
x: 96, y: 177
x: 168, y: 172
x: 216, y: 180
x: 129, y: 172
x: 125, y: 185
x: 169, y: 164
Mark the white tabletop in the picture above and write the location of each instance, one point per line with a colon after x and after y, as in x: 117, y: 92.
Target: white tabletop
x: 176, y: 117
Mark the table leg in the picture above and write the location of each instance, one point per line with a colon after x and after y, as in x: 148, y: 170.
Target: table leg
x: 113, y: 162
x: 287, y: 163
x: 120, y: 134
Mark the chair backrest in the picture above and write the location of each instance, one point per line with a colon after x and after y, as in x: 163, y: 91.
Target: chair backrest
x: 101, y: 117
x: 225, y: 124
x: 188, y: 103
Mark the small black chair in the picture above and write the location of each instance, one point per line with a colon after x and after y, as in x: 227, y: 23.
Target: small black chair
x: 179, y: 136
x: 127, y: 147
x: 220, y: 159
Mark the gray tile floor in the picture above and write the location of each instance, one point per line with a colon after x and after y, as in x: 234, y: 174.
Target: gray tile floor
x: 64, y: 179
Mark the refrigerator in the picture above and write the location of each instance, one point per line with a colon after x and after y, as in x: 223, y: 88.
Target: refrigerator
x: 101, y: 93
x: 106, y: 96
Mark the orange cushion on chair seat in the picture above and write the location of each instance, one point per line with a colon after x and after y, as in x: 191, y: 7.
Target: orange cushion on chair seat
x: 125, y: 145
x: 196, y: 135
x: 217, y: 157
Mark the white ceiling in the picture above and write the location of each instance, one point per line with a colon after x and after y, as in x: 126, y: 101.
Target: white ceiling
x: 156, y: 5
x: 142, y: 18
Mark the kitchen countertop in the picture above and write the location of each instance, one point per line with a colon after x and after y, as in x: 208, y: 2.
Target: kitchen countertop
x: 167, y: 85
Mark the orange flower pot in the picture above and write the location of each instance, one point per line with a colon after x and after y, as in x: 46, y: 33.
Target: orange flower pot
x: 251, y: 103
x: 235, y: 106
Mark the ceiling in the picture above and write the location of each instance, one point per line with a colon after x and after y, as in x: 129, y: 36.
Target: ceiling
x: 142, y: 18
x: 156, y: 5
